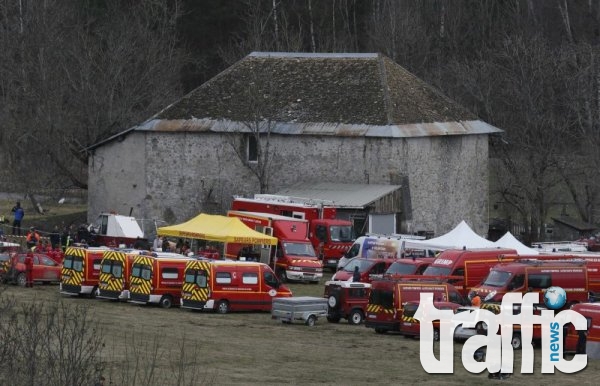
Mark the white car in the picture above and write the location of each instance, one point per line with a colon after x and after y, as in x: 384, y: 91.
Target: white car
x: 463, y: 333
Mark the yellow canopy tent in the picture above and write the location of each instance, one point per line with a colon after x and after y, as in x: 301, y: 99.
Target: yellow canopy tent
x: 217, y: 228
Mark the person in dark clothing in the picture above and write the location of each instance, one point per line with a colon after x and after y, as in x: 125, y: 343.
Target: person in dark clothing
x: 356, y: 275
x: 55, y: 237
x: 581, y: 342
x: 19, y: 214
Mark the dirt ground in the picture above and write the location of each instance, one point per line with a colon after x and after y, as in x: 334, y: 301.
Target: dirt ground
x: 251, y: 348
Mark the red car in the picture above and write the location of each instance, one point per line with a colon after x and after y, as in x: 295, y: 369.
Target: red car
x: 45, y: 269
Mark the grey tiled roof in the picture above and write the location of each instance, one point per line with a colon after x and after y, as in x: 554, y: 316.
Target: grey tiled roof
x: 367, y: 89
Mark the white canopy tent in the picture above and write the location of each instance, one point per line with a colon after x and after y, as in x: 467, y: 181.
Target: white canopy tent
x: 510, y: 241
x: 462, y: 236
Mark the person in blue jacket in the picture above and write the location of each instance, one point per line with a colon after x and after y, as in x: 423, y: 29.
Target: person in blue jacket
x: 19, y: 214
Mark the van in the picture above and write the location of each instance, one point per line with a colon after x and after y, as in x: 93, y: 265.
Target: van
x: 80, y: 272
x: 369, y: 269
x: 469, y: 266
x: 156, y: 278
x: 590, y: 339
x: 535, y: 276
x: 379, y: 246
x: 226, y: 286
x: 115, y: 274
x: 387, y: 299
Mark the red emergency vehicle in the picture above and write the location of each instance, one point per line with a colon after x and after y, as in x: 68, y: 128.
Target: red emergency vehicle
x: 589, y: 340
x: 81, y: 270
x: 473, y: 265
x: 346, y: 299
x: 226, y: 286
x: 387, y: 298
x: 294, y: 256
x: 330, y: 237
x: 115, y: 273
x: 156, y: 278
x: 536, y: 276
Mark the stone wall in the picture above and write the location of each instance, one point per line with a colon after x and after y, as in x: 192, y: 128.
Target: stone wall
x: 174, y: 176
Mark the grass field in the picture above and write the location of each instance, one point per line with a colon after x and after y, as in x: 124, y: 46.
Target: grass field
x: 251, y: 348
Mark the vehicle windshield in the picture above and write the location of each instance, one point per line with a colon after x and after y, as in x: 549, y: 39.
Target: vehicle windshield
x: 73, y: 262
x: 142, y: 271
x: 497, y: 278
x: 437, y: 271
x: 299, y: 249
x: 410, y: 309
x: 353, y: 251
x: 4, y: 256
x: 341, y: 232
x: 399, y: 268
x: 362, y: 265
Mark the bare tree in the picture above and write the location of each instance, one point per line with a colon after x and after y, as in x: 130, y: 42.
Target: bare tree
x: 66, y: 88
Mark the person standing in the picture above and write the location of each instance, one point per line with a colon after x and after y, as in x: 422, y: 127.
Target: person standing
x: 33, y: 238
x: 356, y: 275
x: 157, y: 244
x: 19, y: 213
x: 29, y: 270
x: 55, y: 237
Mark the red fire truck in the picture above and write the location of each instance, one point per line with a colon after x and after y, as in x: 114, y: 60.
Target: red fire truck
x: 294, y: 258
x: 330, y: 237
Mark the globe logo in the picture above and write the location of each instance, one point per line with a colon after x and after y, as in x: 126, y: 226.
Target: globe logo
x: 555, y: 298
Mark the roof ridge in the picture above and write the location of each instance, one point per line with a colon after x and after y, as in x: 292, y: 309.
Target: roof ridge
x: 387, y: 103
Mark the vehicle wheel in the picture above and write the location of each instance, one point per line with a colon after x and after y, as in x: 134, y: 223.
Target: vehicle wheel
x: 166, y: 301
x: 223, y: 307
x: 22, y: 279
x: 436, y: 335
x: 333, y: 319
x: 311, y: 320
x: 380, y: 331
x: 516, y: 341
x: 356, y: 317
x: 282, y: 275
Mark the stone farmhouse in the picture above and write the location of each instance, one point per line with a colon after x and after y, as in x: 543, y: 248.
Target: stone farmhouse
x: 276, y: 120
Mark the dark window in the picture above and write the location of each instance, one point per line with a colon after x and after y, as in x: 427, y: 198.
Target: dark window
x: 455, y: 297
x: 383, y: 298
x: 357, y: 292
x: 252, y: 148
x: 197, y: 277
x: 142, y: 271
x: 516, y: 282
x: 271, y: 279
x: 539, y: 281
x: 321, y: 232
